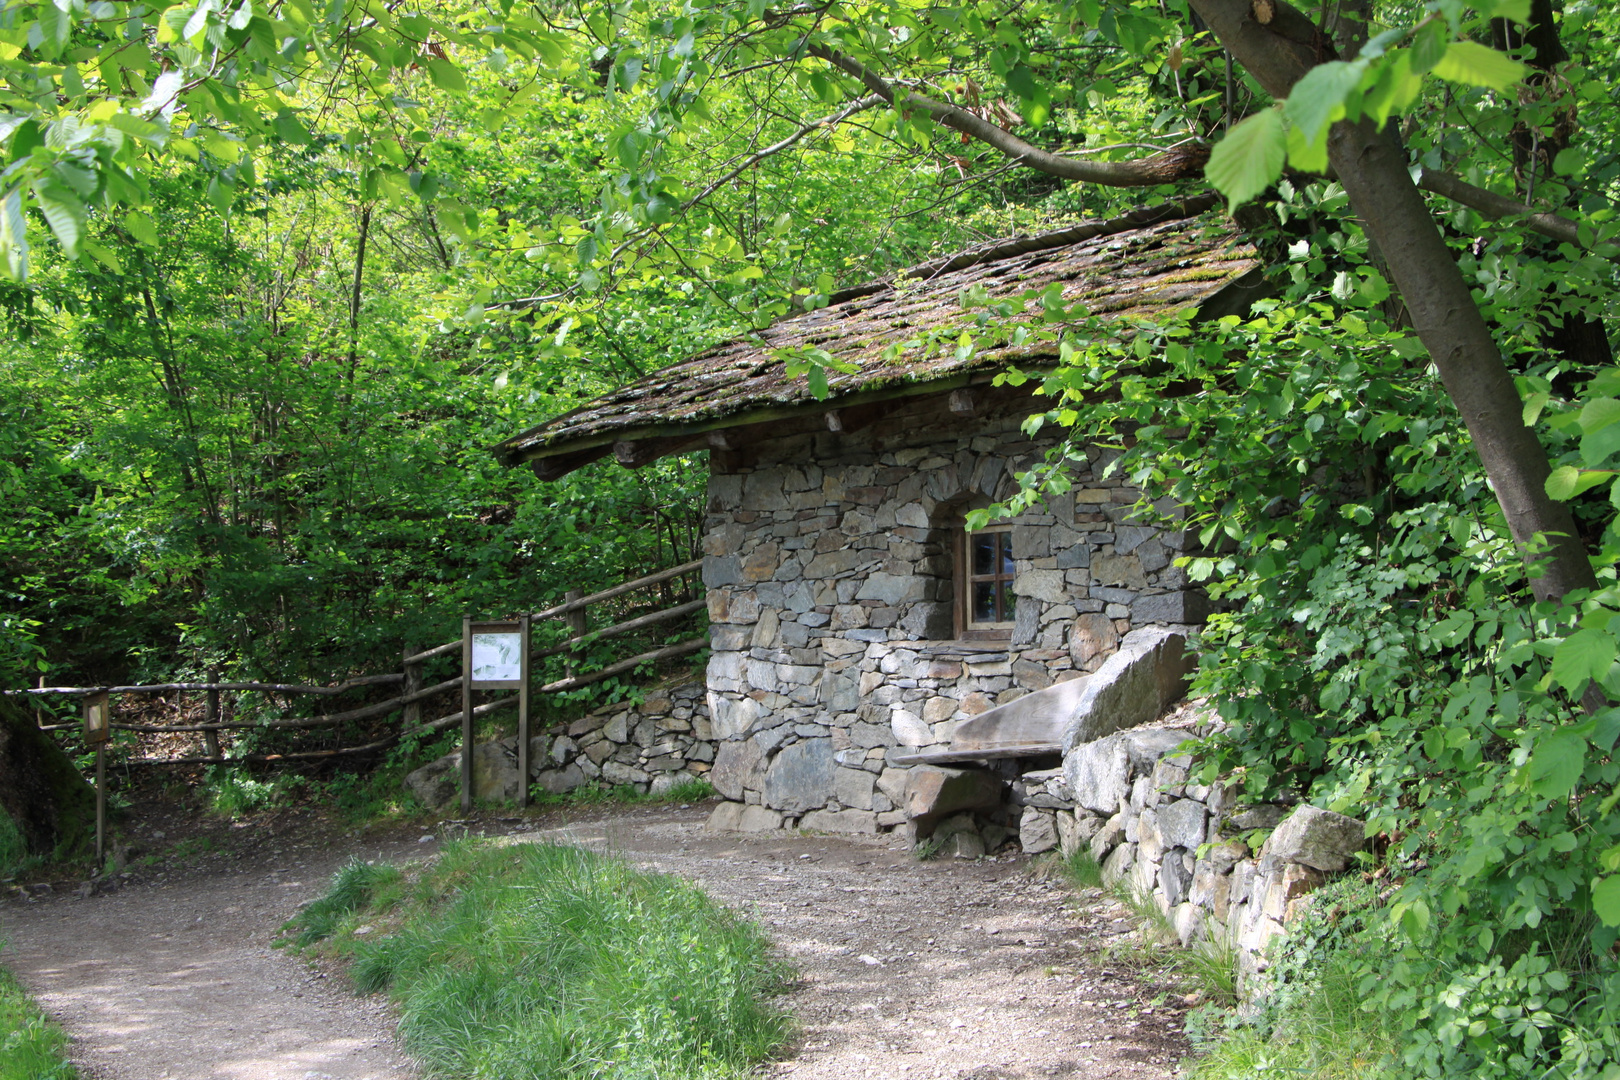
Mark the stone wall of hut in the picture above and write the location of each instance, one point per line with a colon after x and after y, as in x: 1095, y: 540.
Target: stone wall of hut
x: 829, y: 564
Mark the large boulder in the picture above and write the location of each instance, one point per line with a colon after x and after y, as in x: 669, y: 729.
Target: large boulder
x: 1036, y: 718
x: 437, y: 782
x: 1135, y: 685
x: 494, y: 775
x: 1317, y: 838
x: 742, y: 817
x: 1099, y: 773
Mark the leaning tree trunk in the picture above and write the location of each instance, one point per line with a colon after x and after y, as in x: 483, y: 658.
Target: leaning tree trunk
x: 1375, y: 175
x: 40, y: 790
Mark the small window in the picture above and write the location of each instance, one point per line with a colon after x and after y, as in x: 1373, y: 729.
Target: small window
x: 986, y: 601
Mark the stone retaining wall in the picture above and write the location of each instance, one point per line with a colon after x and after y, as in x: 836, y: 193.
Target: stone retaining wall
x: 829, y: 563
x: 1214, y: 867
x: 652, y: 746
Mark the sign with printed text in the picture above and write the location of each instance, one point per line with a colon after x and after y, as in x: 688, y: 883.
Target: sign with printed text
x: 97, y: 719
x: 496, y: 656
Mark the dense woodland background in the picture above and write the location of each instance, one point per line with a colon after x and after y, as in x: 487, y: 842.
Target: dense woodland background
x: 282, y: 295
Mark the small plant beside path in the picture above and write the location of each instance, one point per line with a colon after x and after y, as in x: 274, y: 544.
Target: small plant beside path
x: 541, y: 960
x: 31, y: 1047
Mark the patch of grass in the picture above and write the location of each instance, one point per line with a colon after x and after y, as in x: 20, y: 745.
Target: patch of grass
x: 1322, y: 1035
x: 1152, y: 924
x: 1211, y: 965
x: 540, y: 961
x: 233, y: 794
x: 357, y: 885
x: 31, y: 1047
x: 14, y: 857
x: 1080, y: 870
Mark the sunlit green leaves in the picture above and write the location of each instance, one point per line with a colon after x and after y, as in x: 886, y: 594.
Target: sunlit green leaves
x: 1250, y: 158
x: 1557, y: 762
x: 1582, y: 657
x: 1478, y: 65
x: 1606, y: 899
x: 1318, y: 98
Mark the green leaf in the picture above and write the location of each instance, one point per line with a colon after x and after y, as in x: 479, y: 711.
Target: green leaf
x: 1600, y: 421
x: 1517, y: 10
x: 446, y: 76
x: 1478, y: 65
x: 141, y: 228
x: 14, y: 236
x: 1557, y: 763
x: 64, y: 212
x: 1606, y: 900
x: 1582, y: 657
x: 1428, y: 46
x: 1318, y: 98
x: 1250, y: 158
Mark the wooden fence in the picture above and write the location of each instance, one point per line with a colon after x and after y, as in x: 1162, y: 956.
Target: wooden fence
x: 574, y: 611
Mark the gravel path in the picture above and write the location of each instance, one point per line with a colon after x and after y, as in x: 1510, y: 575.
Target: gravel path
x: 908, y: 970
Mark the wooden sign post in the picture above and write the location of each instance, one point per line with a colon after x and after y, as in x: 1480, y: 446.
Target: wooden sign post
x: 97, y: 731
x: 494, y: 656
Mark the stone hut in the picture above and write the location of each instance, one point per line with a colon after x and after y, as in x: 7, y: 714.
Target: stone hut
x: 855, y: 624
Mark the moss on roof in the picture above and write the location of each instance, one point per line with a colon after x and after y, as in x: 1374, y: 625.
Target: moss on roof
x: 1119, y: 268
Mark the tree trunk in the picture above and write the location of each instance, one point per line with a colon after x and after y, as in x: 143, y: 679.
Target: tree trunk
x: 1375, y: 175
x: 50, y: 803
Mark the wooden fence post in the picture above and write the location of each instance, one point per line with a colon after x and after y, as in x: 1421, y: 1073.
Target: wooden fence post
x: 578, y: 622
x: 466, y: 715
x: 211, y: 713
x: 413, y: 683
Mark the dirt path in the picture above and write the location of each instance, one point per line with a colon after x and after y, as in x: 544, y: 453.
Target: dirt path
x: 909, y: 971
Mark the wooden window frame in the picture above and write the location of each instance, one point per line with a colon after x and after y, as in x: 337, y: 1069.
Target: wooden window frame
x: 966, y: 628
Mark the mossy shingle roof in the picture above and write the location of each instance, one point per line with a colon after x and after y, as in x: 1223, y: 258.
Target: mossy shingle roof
x: 1117, y: 268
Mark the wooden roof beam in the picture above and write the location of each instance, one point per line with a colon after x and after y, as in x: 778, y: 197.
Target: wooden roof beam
x: 560, y: 465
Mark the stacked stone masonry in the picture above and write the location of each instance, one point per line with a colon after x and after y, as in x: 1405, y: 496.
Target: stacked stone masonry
x: 651, y: 746
x: 1131, y: 800
x: 829, y: 566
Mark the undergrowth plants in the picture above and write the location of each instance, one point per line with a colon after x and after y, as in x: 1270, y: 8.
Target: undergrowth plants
x: 31, y: 1047
x: 523, y: 960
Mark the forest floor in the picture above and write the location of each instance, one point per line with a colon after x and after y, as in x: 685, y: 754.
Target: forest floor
x: 907, y: 970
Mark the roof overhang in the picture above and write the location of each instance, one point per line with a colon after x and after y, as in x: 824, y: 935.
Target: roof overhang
x: 1216, y: 274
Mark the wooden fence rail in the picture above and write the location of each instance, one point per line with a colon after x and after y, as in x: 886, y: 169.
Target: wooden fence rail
x: 572, y: 611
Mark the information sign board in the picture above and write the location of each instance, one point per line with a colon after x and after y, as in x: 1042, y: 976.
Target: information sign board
x: 97, y: 719
x: 497, y: 656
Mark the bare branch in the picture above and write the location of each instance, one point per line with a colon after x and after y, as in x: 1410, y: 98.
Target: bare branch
x: 1175, y: 164
x: 1492, y: 205
x: 757, y: 156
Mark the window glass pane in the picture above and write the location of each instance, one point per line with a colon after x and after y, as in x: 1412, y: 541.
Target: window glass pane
x: 1006, y: 553
x: 984, y: 601
x: 984, y: 552
x: 1009, y: 601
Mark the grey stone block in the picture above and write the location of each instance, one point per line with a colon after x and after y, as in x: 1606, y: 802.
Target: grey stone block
x: 1181, y: 823
x: 801, y: 777
x: 738, y: 766
x: 1037, y: 831
x: 1317, y: 838
x: 1185, y: 606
